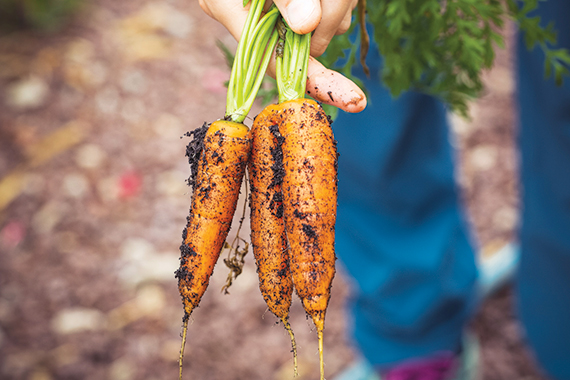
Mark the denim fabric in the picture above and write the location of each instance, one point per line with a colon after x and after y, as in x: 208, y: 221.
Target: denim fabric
x: 544, y: 275
x: 400, y: 230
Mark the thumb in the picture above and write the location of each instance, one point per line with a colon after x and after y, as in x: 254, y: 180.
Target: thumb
x: 302, y: 16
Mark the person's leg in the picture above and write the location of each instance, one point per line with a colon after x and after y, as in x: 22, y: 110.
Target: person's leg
x: 400, y: 232
x: 544, y: 274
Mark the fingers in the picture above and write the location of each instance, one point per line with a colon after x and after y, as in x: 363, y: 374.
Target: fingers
x: 330, y: 87
x: 345, y: 24
x: 302, y: 16
x: 326, y: 18
x: 336, y: 17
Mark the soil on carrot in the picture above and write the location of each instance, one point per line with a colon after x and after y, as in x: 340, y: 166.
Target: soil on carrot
x: 93, y: 197
x: 193, y: 151
x: 277, y: 155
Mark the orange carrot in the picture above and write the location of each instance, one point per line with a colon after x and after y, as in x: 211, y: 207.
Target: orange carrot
x: 309, y: 193
x: 218, y: 156
x: 310, y: 199
x: 268, y: 236
x: 218, y: 177
x: 310, y: 196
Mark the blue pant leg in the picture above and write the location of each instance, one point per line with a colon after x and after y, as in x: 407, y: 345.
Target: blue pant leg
x: 400, y: 232
x: 544, y: 275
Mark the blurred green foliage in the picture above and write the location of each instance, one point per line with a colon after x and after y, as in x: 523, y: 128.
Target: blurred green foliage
x: 41, y: 15
x: 442, y: 47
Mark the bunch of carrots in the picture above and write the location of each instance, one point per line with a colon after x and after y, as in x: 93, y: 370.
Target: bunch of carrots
x: 291, y: 160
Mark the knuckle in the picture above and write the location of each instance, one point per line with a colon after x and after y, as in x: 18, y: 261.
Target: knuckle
x: 318, y: 49
x: 342, y: 29
x: 344, y: 25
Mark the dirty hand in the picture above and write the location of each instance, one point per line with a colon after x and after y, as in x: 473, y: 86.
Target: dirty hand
x: 326, y: 18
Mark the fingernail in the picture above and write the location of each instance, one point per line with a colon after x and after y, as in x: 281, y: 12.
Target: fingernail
x: 298, y: 13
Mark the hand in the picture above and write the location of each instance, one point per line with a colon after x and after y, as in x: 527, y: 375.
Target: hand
x: 326, y: 18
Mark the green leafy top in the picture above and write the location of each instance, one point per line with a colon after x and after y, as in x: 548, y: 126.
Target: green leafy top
x: 253, y: 54
x: 441, y: 47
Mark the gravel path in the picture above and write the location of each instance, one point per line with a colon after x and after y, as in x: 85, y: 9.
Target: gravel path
x: 93, y: 201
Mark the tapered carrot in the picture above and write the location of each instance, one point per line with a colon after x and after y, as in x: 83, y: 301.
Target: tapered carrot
x: 219, y: 174
x: 309, y: 182
x: 310, y: 196
x: 310, y: 199
x: 268, y: 236
x: 218, y: 156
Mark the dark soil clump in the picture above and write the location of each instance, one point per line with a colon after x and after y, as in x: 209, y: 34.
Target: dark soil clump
x: 194, y: 150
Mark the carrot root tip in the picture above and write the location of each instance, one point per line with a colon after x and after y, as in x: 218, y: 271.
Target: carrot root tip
x: 184, y: 334
x: 293, y: 346
x: 321, y: 360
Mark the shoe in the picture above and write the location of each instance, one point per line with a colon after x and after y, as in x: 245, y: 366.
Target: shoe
x: 444, y: 366
x: 496, y: 268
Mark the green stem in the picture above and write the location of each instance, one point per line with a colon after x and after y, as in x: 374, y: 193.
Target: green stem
x: 262, y: 38
x: 252, y: 58
x: 291, y: 65
x: 233, y: 97
x: 248, y: 103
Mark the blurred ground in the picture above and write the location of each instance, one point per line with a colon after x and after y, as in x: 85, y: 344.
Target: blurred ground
x: 93, y: 201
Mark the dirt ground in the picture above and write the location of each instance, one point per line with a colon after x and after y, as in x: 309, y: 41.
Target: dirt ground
x: 93, y: 201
